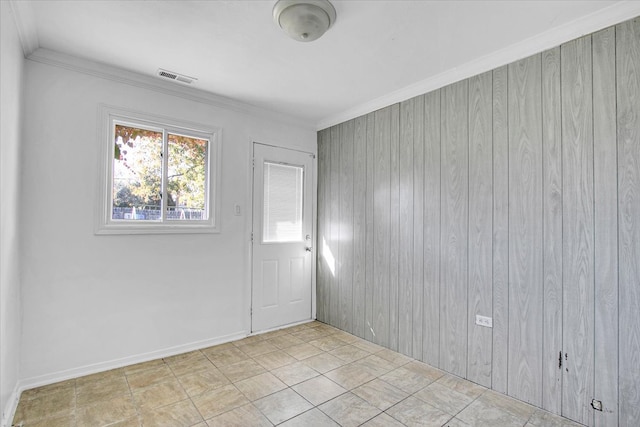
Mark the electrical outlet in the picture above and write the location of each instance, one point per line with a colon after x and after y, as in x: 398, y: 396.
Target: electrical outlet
x: 237, y: 211
x: 487, y: 322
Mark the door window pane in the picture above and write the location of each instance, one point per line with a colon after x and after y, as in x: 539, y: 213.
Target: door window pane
x: 282, y: 213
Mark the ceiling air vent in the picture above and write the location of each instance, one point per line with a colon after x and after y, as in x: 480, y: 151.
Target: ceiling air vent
x: 170, y: 75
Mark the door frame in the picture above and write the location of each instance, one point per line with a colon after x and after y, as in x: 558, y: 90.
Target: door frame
x: 249, y: 220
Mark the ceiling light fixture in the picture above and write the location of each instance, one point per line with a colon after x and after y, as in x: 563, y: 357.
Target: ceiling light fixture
x: 304, y: 20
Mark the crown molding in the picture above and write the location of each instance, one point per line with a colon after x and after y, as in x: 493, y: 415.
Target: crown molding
x: 614, y: 14
x: 109, y: 72
x: 24, y: 18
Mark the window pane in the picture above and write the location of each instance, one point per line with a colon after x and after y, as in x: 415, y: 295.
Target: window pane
x: 282, y: 216
x: 186, y: 178
x: 137, y: 174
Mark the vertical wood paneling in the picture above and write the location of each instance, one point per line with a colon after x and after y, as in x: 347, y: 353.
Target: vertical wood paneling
x: 346, y: 226
x: 454, y: 231
x: 370, y: 278
x: 605, y: 181
x: 577, y: 225
x: 500, y: 231
x: 334, y: 245
x: 628, y: 124
x: 418, y: 218
x: 394, y: 250
x: 323, y: 271
x: 480, y: 227
x: 381, y: 230
x: 552, y: 225
x: 431, y: 300
x: 525, y: 231
x: 405, y: 273
x: 359, y: 224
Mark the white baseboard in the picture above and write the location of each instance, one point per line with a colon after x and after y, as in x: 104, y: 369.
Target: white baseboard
x: 10, y: 409
x: 27, y: 383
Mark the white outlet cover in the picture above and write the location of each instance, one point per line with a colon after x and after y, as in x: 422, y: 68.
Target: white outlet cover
x: 485, y: 321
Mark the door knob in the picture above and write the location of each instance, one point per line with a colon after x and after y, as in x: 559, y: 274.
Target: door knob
x: 309, y: 249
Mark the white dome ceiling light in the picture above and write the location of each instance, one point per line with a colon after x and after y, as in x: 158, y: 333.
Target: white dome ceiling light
x: 304, y: 20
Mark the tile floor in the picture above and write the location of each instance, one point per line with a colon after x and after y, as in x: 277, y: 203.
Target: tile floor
x: 306, y: 375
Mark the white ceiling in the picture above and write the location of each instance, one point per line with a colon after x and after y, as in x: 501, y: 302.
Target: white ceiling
x: 377, y: 52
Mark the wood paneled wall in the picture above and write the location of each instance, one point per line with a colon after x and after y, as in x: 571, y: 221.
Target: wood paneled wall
x: 515, y: 195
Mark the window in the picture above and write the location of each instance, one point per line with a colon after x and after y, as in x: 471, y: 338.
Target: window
x: 158, y: 175
x: 282, y: 220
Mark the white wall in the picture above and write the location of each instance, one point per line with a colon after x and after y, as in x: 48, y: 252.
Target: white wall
x: 11, y: 70
x: 90, y: 301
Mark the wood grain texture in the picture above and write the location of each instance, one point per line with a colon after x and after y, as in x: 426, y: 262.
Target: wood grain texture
x: 431, y: 299
x: 525, y: 231
x: 577, y: 224
x: 394, y: 223
x: 345, y: 320
x: 454, y: 232
x: 334, y: 243
x: 323, y: 271
x: 370, y: 278
x: 381, y: 230
x: 480, y: 227
x: 405, y: 273
x: 605, y: 192
x: 418, y: 226
x: 628, y: 126
x: 552, y: 225
x: 359, y: 224
x: 500, y: 231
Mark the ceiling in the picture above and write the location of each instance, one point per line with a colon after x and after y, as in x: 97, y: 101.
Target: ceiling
x: 378, y: 52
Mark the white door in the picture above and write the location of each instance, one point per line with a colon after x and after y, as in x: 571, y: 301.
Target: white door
x: 282, y: 237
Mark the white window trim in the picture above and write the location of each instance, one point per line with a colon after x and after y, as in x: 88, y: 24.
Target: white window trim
x: 107, y: 115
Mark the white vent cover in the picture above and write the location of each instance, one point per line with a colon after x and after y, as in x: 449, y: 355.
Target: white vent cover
x: 170, y: 75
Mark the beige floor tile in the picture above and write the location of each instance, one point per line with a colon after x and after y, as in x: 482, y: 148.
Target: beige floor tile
x: 179, y: 358
x: 349, y: 353
x: 258, y: 348
x: 383, y: 420
x: 480, y: 414
x: 242, y: 370
x: 285, y: 341
x: 66, y: 421
x: 367, y: 346
x: 159, y: 395
x: 224, y: 356
x: 100, y: 376
x: 462, y: 386
x: 243, y: 416
x: 50, y: 405
x: 350, y: 376
x: 514, y: 407
x: 380, y: 394
x: 328, y: 343
x: 346, y: 337
x: 139, y: 367
x: 375, y: 365
x: 324, y: 362
x: 59, y: 387
x: 130, y: 422
x: 274, y: 334
x: 319, y: 390
x: 283, y: 405
x: 349, y: 410
x: 303, y: 351
x: 180, y: 414
x: 455, y: 422
x: 396, y: 359
x: 444, y: 398
x: 107, y: 412
x: 406, y: 380
x: 312, y: 418
x: 148, y: 377
x: 274, y: 360
x: 249, y: 340
x: 414, y: 412
x: 294, y: 373
x: 104, y: 389
x: 300, y: 327
x: 218, y: 401
x: 542, y: 418
x: 260, y: 386
x: 425, y: 370
x: 197, y: 362
x: 309, y: 334
x: 202, y: 381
